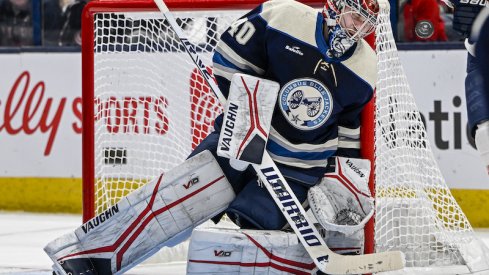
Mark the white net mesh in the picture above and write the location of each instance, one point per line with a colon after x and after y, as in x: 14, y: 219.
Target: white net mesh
x: 151, y: 104
x: 415, y: 211
x: 152, y: 108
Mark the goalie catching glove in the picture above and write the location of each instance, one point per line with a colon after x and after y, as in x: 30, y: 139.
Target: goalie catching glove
x: 342, y: 201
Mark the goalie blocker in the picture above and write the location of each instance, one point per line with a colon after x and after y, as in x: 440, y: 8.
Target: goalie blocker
x: 247, y: 118
x: 161, y: 213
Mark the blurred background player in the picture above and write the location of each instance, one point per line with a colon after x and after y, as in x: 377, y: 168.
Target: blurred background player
x: 476, y: 87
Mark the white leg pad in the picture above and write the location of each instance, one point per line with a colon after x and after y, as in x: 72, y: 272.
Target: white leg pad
x: 239, y: 251
x: 161, y: 213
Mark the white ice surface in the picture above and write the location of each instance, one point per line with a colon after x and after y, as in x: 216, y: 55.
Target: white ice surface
x: 23, y: 236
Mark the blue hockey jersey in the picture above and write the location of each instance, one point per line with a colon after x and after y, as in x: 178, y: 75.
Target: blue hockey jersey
x: 477, y: 79
x: 482, y: 52
x: 317, y: 111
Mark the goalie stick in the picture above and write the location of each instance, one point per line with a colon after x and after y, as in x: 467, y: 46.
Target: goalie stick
x: 325, y: 259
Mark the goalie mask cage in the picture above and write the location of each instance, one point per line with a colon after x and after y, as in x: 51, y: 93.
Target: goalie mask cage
x: 145, y: 107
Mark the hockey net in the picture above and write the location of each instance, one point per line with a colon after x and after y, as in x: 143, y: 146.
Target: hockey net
x: 145, y: 107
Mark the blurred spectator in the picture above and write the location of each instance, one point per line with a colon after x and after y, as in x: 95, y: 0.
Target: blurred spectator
x: 70, y: 31
x: 15, y: 23
x: 52, y: 20
x: 16, y: 27
x: 422, y: 21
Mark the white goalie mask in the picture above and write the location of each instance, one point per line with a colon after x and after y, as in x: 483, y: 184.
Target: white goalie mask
x: 348, y: 22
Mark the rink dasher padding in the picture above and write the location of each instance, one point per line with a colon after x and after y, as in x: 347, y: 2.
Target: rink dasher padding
x: 63, y: 195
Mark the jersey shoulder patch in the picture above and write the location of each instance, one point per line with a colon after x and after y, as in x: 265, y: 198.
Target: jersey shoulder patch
x: 292, y: 18
x: 306, y: 103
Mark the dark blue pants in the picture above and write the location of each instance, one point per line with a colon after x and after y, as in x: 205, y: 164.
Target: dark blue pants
x: 253, y: 207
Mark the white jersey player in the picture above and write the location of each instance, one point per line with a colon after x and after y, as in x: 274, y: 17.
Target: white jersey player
x: 325, y: 73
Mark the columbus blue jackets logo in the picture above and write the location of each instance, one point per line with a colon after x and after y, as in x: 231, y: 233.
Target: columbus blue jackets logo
x: 306, y: 103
